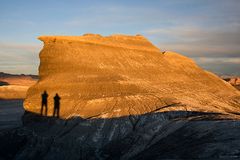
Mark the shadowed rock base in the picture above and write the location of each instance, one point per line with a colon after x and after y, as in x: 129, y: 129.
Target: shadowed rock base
x: 168, y: 135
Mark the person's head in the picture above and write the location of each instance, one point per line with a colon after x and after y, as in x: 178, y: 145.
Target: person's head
x: 45, y: 91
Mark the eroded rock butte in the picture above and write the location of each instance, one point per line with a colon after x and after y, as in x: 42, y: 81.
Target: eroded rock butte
x: 114, y: 76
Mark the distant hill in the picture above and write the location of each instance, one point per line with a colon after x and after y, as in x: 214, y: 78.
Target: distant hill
x: 8, y: 75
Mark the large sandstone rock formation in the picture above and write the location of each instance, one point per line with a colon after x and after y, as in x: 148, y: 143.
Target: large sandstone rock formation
x: 120, y: 75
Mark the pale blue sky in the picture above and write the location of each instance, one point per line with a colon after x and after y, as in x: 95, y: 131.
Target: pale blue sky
x: 206, y: 30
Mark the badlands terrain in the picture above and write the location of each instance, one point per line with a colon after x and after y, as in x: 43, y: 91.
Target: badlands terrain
x: 123, y: 98
x: 15, y: 86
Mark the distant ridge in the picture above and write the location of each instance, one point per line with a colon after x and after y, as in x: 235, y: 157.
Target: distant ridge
x: 4, y: 75
x: 15, y: 86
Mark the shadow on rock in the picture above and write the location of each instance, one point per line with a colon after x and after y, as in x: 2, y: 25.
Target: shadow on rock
x: 166, y: 135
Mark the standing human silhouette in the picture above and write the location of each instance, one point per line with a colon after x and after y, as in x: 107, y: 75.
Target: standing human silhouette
x: 44, y: 102
x: 56, y: 105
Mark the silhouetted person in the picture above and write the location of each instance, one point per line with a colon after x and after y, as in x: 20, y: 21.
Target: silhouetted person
x: 56, y: 105
x: 44, y: 102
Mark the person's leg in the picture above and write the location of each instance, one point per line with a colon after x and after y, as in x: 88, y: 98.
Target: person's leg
x: 42, y: 109
x: 58, y: 112
x: 46, y: 109
x: 54, y: 111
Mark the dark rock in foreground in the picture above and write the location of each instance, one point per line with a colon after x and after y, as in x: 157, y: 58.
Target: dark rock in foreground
x: 168, y: 135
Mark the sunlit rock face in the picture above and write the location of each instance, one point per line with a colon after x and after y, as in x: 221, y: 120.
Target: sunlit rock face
x: 118, y: 75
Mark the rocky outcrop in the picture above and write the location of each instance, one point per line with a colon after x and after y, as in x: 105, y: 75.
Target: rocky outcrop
x: 165, y: 135
x: 114, y: 76
x: 234, y: 81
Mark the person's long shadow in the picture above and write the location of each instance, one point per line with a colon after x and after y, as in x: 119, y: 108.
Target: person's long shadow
x: 44, y: 103
x: 56, y: 109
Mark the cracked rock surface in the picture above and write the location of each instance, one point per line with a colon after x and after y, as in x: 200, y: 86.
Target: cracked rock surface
x: 165, y: 135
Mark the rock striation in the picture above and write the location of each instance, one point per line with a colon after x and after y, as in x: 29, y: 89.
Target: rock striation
x: 118, y: 75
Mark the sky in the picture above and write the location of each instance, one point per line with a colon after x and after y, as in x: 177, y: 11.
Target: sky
x: 208, y: 31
